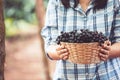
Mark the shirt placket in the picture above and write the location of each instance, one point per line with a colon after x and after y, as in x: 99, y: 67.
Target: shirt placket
x: 85, y: 21
x: 84, y: 14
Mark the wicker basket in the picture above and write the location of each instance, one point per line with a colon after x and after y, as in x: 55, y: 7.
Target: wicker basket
x: 83, y: 53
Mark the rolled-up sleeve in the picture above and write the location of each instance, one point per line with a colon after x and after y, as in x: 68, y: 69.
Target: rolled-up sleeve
x: 50, y: 31
x: 116, y: 27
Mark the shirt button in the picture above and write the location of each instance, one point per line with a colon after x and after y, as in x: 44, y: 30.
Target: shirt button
x: 85, y: 18
x: 86, y: 74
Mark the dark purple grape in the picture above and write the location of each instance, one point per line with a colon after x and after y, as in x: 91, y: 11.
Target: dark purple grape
x: 84, y: 36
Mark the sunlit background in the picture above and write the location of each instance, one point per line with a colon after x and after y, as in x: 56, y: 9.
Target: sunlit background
x: 24, y: 58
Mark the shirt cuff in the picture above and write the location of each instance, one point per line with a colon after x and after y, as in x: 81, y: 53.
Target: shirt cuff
x: 49, y: 56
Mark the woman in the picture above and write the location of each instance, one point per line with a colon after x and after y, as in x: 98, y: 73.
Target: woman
x: 95, y: 15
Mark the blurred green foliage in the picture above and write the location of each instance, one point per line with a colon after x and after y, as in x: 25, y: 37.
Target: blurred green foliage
x: 18, y: 13
x: 45, y: 3
x: 20, y: 9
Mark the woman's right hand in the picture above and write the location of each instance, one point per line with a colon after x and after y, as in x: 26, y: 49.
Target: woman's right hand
x: 62, y: 52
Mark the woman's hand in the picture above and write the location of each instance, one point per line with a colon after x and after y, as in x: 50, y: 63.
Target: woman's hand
x: 105, y: 51
x: 57, y: 52
x: 62, y: 52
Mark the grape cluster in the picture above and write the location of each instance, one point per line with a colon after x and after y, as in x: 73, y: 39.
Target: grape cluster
x: 82, y: 36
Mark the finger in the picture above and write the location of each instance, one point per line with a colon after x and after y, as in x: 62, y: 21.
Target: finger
x: 65, y: 54
x: 103, y: 57
x: 62, y: 51
x: 105, y: 52
x: 60, y: 47
x: 107, y: 43
x: 65, y: 57
x: 105, y: 47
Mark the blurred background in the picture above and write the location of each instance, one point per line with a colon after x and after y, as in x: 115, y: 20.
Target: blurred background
x: 25, y: 58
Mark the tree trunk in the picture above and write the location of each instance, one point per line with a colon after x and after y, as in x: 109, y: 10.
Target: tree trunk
x: 40, y: 12
x: 2, y: 42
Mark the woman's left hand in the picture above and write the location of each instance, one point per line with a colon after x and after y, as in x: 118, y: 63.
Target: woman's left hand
x: 105, y: 51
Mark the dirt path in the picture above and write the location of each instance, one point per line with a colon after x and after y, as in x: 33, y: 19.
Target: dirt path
x: 23, y: 60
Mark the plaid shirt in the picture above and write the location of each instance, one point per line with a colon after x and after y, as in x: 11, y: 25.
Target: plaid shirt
x: 60, y: 19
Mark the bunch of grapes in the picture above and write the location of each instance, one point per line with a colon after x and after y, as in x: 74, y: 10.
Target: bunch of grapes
x: 82, y: 36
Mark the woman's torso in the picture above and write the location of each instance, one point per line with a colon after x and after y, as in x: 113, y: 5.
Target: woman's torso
x: 76, y: 19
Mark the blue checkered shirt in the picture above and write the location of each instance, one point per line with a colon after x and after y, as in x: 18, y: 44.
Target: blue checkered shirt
x: 105, y: 20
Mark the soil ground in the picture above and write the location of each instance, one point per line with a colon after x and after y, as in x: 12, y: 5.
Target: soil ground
x: 24, y: 57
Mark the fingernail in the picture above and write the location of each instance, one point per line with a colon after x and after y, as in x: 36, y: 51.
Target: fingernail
x: 65, y: 50
x: 101, y: 49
